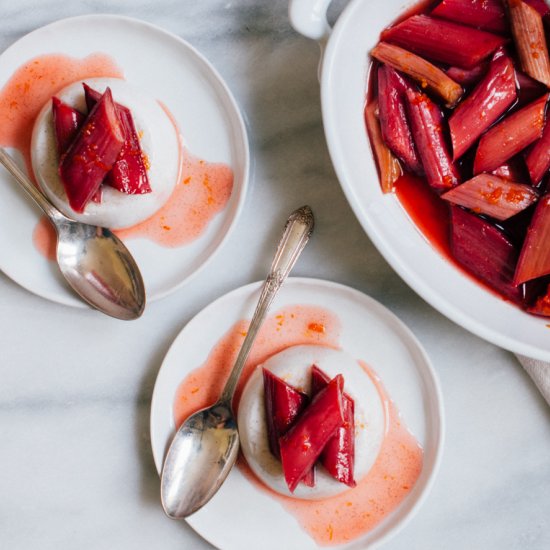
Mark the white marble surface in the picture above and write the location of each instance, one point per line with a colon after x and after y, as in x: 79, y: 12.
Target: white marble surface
x: 76, y: 468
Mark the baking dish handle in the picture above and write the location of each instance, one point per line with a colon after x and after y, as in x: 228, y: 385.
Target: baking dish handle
x: 309, y: 17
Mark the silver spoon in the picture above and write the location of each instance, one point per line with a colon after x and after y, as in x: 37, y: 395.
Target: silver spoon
x: 205, y: 447
x: 93, y: 260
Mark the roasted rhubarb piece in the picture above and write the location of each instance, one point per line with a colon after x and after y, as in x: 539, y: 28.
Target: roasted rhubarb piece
x: 488, y: 15
x: 510, y: 136
x: 283, y: 404
x: 493, y: 196
x: 440, y: 40
x: 467, y: 77
x: 302, y: 445
x: 427, y: 75
x: 489, y: 99
x: 393, y: 118
x: 66, y: 122
x: 129, y: 174
x: 427, y: 129
x: 92, y: 153
x: 530, y: 41
x: 484, y: 250
x: 538, y: 157
x: 388, y: 165
x: 534, y: 260
x: 338, y: 456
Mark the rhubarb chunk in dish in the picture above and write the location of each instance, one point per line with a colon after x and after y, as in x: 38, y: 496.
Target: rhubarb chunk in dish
x: 458, y: 92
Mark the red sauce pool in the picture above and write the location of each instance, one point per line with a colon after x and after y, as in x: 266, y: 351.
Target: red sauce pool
x: 203, y: 188
x: 355, y: 512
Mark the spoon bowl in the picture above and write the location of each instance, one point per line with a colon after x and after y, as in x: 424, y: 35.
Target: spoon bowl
x: 93, y: 260
x: 212, y: 434
x: 206, y: 445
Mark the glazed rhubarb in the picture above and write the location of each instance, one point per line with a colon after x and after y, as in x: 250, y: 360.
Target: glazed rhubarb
x: 425, y: 73
x: 93, y: 153
x: 388, y: 166
x: 129, y: 174
x: 338, y: 456
x: 484, y: 250
x: 66, y: 122
x: 488, y: 15
x: 538, y: 157
x: 528, y: 32
x: 486, y: 156
x: 427, y: 128
x: 443, y: 41
x: 393, y: 118
x: 283, y: 404
x: 302, y: 445
x: 534, y: 260
x: 510, y: 136
x: 493, y: 196
x: 487, y: 102
x: 467, y: 77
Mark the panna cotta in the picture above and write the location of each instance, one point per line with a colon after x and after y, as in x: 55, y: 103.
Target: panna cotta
x: 159, y: 143
x: 294, y: 366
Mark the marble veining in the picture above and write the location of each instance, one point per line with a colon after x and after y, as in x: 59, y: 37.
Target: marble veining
x: 75, y: 387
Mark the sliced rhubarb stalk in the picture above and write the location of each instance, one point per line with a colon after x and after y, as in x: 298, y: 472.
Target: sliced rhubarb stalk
x: 491, y: 195
x: 488, y: 15
x: 92, y: 153
x: 389, y: 168
x: 302, y: 445
x: 489, y: 99
x: 66, y: 122
x: 338, y: 456
x: 283, y: 404
x: 534, y: 260
x: 484, y: 250
x: 129, y: 174
x: 510, y: 136
x: 538, y: 157
x: 528, y: 32
x: 393, y: 118
x: 426, y: 74
x: 426, y: 124
x: 467, y: 77
x: 443, y: 41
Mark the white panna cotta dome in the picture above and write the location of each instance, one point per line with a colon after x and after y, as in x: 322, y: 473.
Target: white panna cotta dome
x: 159, y: 141
x: 293, y: 365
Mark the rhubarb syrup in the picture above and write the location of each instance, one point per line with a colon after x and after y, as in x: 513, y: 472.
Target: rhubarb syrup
x: 203, y: 189
x: 356, y: 511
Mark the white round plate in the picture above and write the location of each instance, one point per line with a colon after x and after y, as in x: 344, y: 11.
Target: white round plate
x: 240, y: 515
x: 167, y: 68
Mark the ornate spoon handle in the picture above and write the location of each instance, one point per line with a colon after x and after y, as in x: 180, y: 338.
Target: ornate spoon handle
x: 298, y: 229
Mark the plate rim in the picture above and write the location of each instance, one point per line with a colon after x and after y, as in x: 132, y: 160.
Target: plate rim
x: 238, y: 127
x: 429, y: 376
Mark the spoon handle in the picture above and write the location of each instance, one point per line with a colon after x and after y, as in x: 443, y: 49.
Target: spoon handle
x: 298, y: 229
x: 28, y: 186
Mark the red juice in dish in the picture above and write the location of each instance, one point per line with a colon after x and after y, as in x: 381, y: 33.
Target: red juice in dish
x: 457, y: 100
